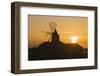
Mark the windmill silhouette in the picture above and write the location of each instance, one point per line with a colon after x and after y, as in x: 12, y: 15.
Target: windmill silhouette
x: 53, y: 34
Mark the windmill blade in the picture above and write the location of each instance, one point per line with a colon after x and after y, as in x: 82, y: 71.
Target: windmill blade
x: 52, y: 26
x: 47, y: 33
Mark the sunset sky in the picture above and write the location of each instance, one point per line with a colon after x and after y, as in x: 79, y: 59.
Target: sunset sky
x: 69, y: 29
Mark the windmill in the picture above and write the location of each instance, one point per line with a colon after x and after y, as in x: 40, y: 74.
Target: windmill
x: 52, y: 26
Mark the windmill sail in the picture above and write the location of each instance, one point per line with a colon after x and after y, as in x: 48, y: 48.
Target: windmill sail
x: 52, y: 26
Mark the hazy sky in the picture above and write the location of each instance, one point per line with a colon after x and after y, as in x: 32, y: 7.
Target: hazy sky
x: 67, y: 27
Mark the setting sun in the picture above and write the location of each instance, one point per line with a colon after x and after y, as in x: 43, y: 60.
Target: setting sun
x: 74, y: 39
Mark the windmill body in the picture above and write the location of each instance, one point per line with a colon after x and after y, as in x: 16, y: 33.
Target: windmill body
x: 55, y: 39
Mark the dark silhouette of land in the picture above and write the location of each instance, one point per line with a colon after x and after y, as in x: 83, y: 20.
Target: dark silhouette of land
x: 57, y: 50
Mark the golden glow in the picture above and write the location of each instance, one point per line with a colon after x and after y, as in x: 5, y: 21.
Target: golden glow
x: 74, y: 39
x: 67, y: 28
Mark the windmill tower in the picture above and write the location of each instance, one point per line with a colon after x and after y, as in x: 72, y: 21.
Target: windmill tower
x: 54, y: 37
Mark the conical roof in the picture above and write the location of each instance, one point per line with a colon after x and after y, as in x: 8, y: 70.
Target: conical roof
x: 55, y: 32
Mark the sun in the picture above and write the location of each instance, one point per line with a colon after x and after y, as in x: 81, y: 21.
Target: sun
x: 74, y: 39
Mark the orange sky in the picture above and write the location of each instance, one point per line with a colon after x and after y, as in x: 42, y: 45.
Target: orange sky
x: 66, y: 28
